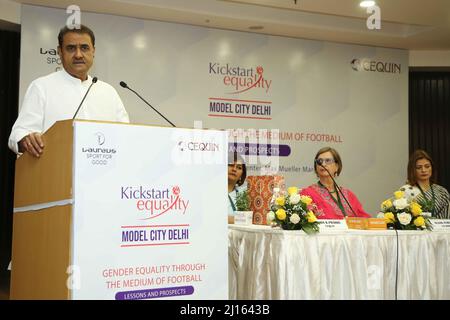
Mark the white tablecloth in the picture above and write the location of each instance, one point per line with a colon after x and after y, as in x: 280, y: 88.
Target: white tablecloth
x: 266, y: 263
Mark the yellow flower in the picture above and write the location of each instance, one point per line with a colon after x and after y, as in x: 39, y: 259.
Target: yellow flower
x: 389, y: 217
x: 292, y: 190
x: 416, y: 209
x: 280, y: 201
x: 306, y: 200
x: 419, y: 221
x: 398, y: 194
x: 281, y: 214
x: 386, y: 204
x: 311, y: 217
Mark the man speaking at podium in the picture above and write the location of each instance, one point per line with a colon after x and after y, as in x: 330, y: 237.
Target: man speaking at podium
x: 63, y: 94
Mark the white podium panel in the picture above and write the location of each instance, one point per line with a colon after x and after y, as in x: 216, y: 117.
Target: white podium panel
x: 149, y: 213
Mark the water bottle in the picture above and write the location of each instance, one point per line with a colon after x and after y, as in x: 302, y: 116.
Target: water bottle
x: 275, y: 195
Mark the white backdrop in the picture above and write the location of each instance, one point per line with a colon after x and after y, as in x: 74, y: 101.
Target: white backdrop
x: 309, y: 89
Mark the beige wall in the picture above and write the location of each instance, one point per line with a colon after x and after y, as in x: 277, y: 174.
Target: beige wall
x: 428, y: 58
x: 10, y: 11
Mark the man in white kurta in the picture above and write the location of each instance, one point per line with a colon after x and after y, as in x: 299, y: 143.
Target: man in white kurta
x: 57, y: 96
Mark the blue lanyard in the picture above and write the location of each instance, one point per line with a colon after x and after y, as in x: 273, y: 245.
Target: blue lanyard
x: 232, y: 203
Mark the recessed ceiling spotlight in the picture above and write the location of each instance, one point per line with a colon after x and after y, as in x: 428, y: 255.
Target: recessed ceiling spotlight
x: 367, y: 4
x: 256, y: 27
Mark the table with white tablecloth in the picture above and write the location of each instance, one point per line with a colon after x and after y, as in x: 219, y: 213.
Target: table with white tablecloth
x: 269, y: 263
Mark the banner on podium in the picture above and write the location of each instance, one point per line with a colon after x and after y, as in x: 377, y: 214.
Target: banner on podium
x: 149, y: 217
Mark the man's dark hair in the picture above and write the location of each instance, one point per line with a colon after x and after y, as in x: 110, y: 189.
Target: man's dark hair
x: 82, y: 30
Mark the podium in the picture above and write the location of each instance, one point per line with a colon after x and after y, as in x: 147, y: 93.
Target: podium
x: 121, y: 211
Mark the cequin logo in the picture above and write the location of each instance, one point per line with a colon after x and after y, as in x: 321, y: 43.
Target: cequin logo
x: 365, y: 64
x: 155, y: 202
x: 198, y: 146
x: 240, y: 79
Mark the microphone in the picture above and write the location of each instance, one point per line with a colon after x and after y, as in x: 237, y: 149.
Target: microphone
x: 94, y: 80
x: 320, y: 163
x: 124, y: 85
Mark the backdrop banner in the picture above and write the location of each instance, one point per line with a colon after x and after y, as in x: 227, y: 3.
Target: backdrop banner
x: 281, y: 99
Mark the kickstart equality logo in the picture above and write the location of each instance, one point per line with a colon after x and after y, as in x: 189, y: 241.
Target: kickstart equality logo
x: 155, y: 202
x: 240, y: 79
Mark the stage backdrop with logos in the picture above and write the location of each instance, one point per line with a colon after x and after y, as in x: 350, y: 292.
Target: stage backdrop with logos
x: 307, y: 94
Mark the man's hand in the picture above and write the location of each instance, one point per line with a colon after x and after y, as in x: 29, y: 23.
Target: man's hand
x: 33, y: 144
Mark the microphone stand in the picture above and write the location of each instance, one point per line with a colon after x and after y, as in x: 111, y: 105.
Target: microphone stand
x: 338, y: 188
x: 94, y: 80
x: 124, y: 85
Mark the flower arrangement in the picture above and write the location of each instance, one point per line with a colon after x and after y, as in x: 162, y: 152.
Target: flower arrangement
x: 294, y: 212
x: 404, y: 213
x: 413, y: 193
x: 242, y: 201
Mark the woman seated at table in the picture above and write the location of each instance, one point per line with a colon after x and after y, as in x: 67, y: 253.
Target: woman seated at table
x: 237, y: 172
x: 325, y: 194
x: 421, y: 186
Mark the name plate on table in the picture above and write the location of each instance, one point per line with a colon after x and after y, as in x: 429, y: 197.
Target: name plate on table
x: 376, y: 224
x: 366, y: 223
x: 331, y: 225
x: 440, y: 224
x: 243, y: 217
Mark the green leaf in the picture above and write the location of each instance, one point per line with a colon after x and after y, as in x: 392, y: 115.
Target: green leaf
x: 243, y: 201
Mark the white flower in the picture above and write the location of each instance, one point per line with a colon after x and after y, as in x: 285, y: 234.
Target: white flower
x: 404, y: 218
x: 380, y: 215
x: 295, y: 218
x: 426, y: 214
x: 294, y: 199
x: 400, y: 204
x: 270, y: 216
x: 410, y: 192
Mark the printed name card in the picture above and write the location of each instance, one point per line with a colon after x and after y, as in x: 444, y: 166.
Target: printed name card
x: 243, y: 217
x: 356, y: 223
x: 440, y: 224
x: 326, y: 225
x: 366, y: 223
x: 376, y: 224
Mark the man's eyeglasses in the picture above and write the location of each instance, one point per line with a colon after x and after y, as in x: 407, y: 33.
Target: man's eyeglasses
x: 322, y: 161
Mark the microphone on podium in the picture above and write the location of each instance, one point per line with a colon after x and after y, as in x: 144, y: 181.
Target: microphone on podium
x: 94, y: 80
x: 319, y: 162
x: 124, y: 85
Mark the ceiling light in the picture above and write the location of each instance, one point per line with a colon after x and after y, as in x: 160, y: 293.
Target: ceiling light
x: 367, y: 4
